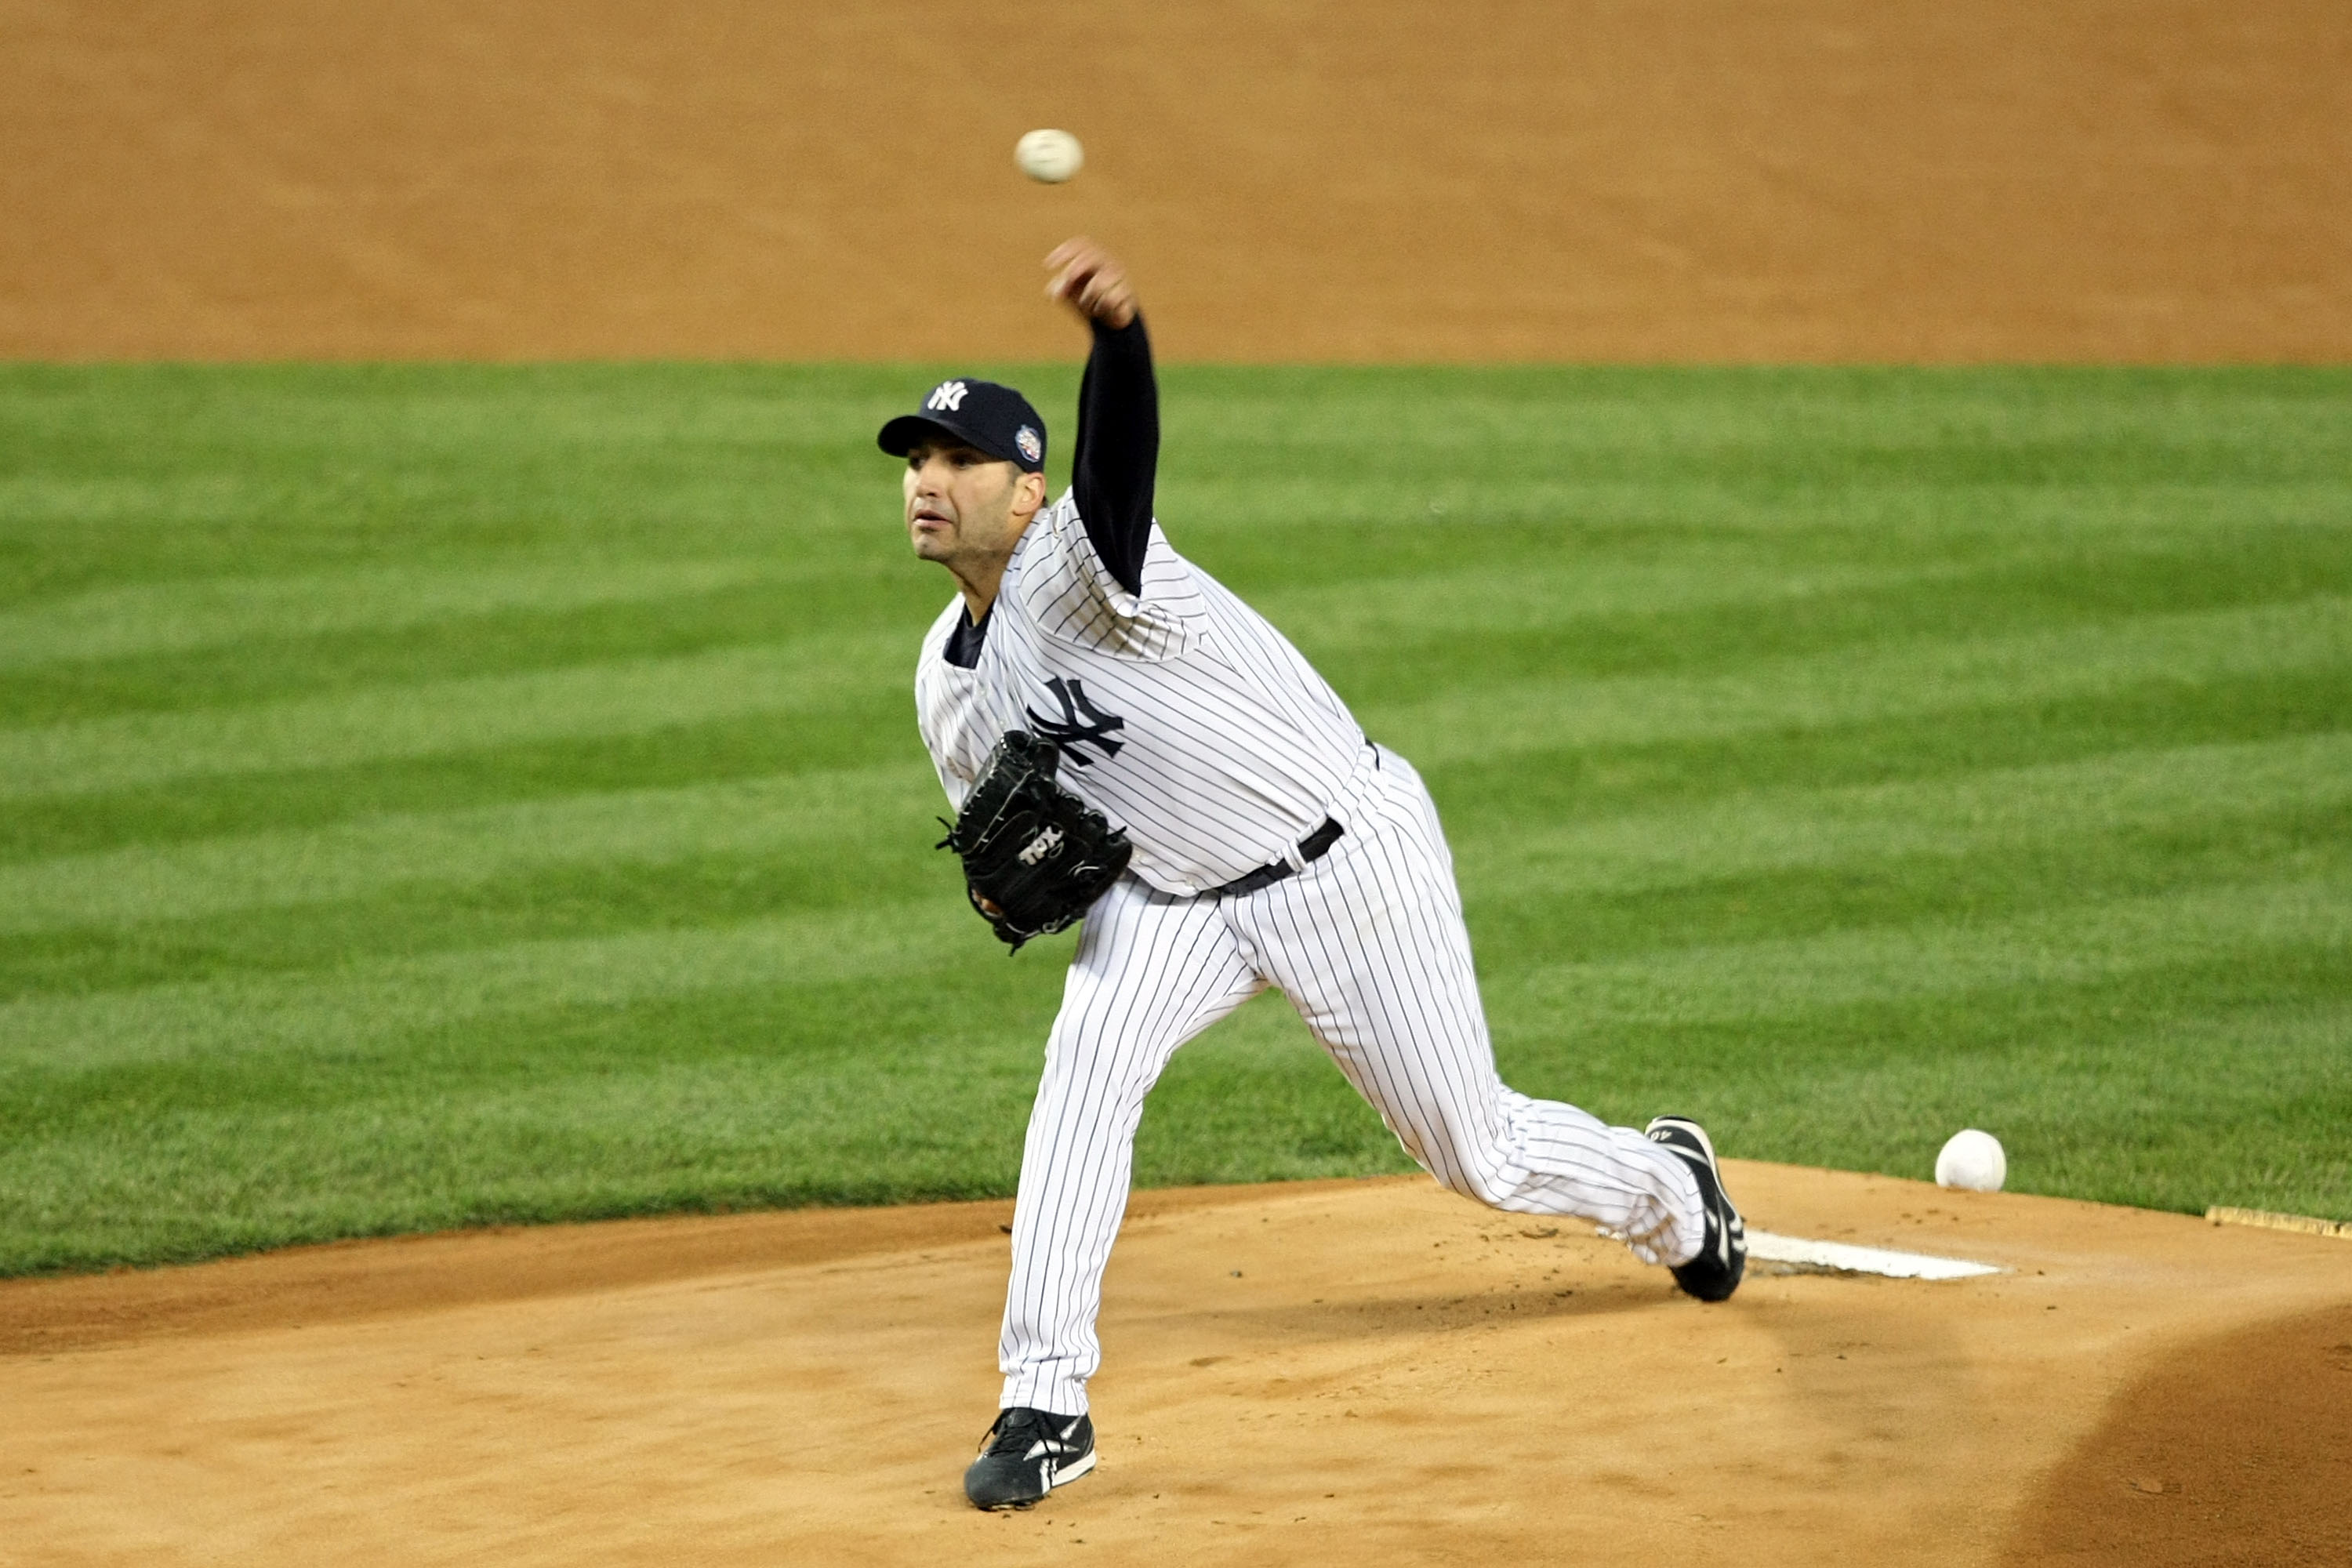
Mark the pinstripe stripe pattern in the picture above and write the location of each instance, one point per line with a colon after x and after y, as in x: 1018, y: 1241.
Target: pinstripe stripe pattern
x: 1229, y: 749
x: 1233, y: 748
x: 1369, y: 944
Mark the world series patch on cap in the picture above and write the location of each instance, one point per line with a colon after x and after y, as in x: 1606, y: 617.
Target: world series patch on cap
x: 984, y: 414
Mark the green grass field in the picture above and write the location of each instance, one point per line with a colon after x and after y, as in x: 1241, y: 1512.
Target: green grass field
x: 439, y: 796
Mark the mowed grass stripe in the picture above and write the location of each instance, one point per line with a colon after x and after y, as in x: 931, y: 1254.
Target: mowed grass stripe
x: 748, y: 819
x: 1394, y: 634
x: 885, y: 807
x: 1515, y: 788
x: 343, y: 1009
x: 515, y: 643
x: 2155, y: 712
x: 608, y: 627
x: 867, y: 729
x: 1822, y: 523
x: 1891, y: 677
x: 794, y: 679
x: 1541, y: 915
x: 1473, y: 718
x: 185, y: 614
x: 1943, y: 606
x: 2063, y: 944
x: 2030, y: 810
x: 364, y: 1003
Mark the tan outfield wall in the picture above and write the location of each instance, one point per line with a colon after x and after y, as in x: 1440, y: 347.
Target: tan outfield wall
x: 2153, y: 180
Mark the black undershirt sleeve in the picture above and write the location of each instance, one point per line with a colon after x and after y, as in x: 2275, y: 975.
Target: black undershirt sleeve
x: 1116, y: 459
x: 1118, y: 451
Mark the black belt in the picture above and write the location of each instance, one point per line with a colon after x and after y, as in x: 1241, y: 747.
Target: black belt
x: 1314, y: 846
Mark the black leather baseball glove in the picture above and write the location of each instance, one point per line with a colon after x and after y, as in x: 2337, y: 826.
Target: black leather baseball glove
x: 1034, y: 855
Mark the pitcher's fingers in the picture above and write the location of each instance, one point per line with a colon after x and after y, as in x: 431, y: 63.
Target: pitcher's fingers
x: 1083, y: 285
x: 1074, y: 275
x: 1061, y: 254
x: 1106, y: 279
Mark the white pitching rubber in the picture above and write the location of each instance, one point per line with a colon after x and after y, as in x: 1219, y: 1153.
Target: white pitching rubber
x: 1837, y: 1255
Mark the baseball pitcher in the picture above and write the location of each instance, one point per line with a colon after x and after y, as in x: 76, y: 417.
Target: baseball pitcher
x: 1128, y: 744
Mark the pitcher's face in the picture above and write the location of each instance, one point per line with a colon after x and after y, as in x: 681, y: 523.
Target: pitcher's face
x: 963, y: 504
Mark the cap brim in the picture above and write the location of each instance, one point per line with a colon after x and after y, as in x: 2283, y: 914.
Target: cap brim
x: 907, y: 431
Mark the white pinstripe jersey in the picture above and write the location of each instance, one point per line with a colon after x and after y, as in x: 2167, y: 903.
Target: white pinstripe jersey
x: 1183, y: 716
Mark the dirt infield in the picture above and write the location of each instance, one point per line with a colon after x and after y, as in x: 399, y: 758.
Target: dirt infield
x: 1584, y: 180
x: 1365, y: 1372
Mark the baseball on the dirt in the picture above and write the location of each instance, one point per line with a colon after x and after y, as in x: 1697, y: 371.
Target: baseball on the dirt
x: 1051, y: 156
x: 1973, y: 1161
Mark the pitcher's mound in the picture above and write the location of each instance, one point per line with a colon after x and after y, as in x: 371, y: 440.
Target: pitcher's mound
x: 1351, y: 1373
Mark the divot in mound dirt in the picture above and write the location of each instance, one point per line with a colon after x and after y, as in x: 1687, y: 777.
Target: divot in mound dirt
x: 1370, y: 1371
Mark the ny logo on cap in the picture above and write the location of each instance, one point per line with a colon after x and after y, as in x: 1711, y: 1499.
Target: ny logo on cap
x: 947, y: 395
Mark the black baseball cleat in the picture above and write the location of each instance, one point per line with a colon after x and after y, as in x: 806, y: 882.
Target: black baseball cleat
x: 1027, y: 1454
x: 1722, y: 1258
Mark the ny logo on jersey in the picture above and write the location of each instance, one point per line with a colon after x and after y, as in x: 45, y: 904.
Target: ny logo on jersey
x: 947, y: 397
x: 1081, y: 722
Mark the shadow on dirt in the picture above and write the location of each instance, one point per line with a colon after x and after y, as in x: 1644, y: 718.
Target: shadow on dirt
x: 2237, y: 1449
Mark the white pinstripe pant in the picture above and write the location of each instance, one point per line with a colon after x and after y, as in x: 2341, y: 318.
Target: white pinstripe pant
x: 1369, y: 945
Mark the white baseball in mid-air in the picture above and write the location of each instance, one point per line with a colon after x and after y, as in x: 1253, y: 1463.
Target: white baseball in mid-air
x: 1051, y: 156
x: 1973, y: 1161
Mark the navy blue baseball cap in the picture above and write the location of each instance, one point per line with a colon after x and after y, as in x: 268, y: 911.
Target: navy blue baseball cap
x: 982, y: 414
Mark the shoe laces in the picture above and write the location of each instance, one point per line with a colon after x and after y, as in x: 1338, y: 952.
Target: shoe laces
x: 1019, y: 1430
